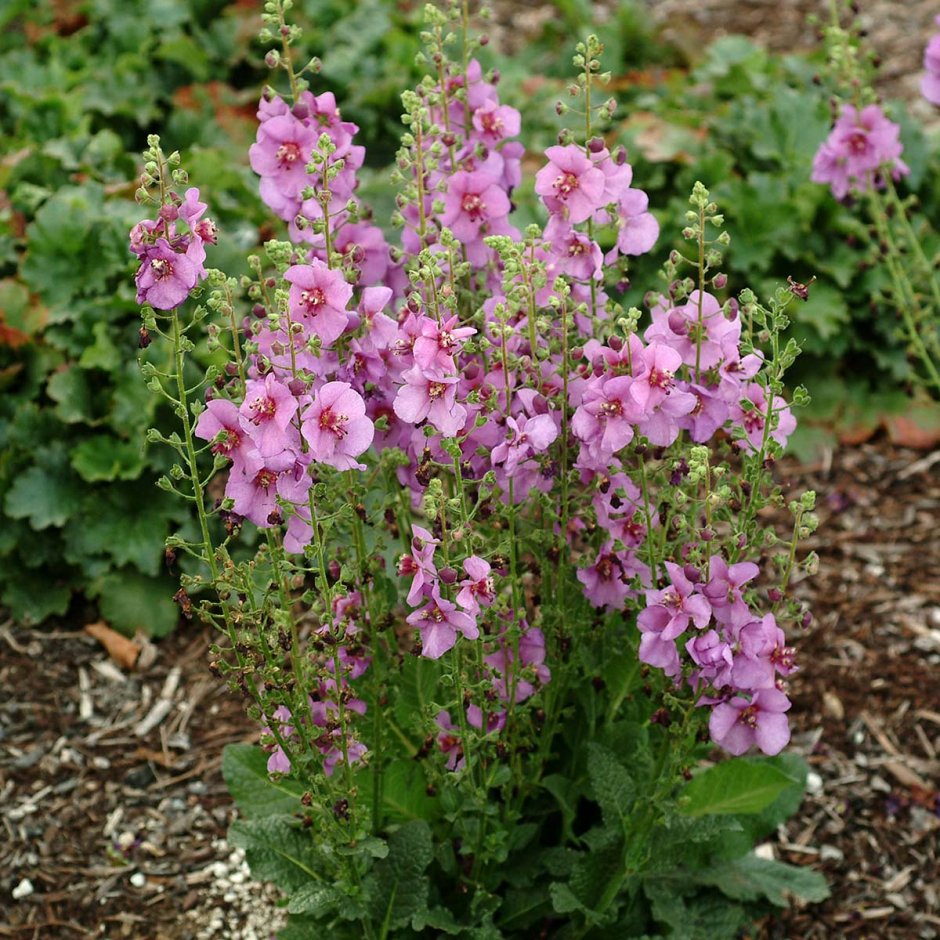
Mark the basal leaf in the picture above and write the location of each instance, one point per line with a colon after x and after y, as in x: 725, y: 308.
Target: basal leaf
x: 245, y: 771
x: 739, y: 785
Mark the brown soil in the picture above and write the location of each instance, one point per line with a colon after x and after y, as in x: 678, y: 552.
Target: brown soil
x: 120, y: 830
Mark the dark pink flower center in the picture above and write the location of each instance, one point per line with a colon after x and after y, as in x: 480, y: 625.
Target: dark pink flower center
x: 161, y: 268
x: 660, y: 378
x: 605, y: 568
x: 435, y: 614
x: 336, y: 424
x: 436, y: 390
x: 313, y: 299
x: 473, y: 205
x: 265, y: 479
x: 611, y: 409
x: 492, y: 124
x: 858, y: 142
x: 753, y: 421
x: 288, y: 153
x: 565, y: 184
x: 262, y: 409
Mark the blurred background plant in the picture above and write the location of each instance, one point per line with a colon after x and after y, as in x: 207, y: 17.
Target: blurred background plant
x: 82, y: 83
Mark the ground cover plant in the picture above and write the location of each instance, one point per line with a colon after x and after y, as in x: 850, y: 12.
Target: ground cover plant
x: 508, y: 579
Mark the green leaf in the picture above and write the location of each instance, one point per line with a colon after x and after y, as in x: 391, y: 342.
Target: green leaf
x: 245, y: 771
x: 46, y: 495
x: 33, y: 596
x: 105, y: 458
x: 102, y: 353
x: 438, y: 919
x: 278, y: 851
x: 72, y: 392
x: 130, y: 601
x: 397, y: 886
x: 739, y: 785
x: 612, y: 785
x: 315, y: 899
x: 404, y: 792
x: 750, y: 878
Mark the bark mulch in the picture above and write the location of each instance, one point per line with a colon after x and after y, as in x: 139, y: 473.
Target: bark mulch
x: 113, y: 810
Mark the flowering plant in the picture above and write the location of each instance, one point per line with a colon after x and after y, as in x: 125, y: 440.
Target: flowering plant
x: 507, y: 580
x: 861, y: 159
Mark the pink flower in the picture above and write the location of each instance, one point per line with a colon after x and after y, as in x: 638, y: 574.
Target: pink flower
x: 336, y: 427
x: 220, y: 423
x: 861, y: 146
x: 438, y: 343
x: 477, y: 590
x: 318, y: 298
x: 495, y: 121
x: 266, y: 413
x: 570, y: 182
x: 533, y: 436
x: 473, y: 202
x: 166, y: 277
x: 282, y: 151
x: 421, y: 565
x: 752, y: 420
x: 430, y: 395
x: 739, y: 724
x: 671, y: 609
x: 439, y: 623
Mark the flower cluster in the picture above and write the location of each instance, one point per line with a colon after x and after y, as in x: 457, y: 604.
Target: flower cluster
x: 862, y: 146
x: 731, y: 654
x: 493, y: 375
x: 172, y: 261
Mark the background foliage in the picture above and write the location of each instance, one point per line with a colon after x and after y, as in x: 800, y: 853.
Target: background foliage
x: 82, y: 82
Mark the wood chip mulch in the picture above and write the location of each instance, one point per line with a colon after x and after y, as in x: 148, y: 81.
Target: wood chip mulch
x: 113, y: 811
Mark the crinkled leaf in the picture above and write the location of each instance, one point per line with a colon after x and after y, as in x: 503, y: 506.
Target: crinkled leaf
x: 750, y: 878
x: 612, y: 786
x: 277, y: 850
x: 71, y: 390
x: 245, y: 771
x: 438, y: 919
x: 315, y: 899
x: 397, y: 886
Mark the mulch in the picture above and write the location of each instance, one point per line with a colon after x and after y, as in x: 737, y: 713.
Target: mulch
x: 113, y: 810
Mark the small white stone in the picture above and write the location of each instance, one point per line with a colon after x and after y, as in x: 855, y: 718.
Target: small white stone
x: 814, y: 783
x: 830, y: 853
x: 237, y: 877
x: 138, y: 879
x: 765, y: 850
x: 23, y: 890
x: 229, y: 897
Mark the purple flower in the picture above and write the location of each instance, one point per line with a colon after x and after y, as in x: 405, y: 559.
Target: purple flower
x: 430, y: 395
x: 266, y: 414
x: 336, y: 427
x: 725, y: 586
x: 861, y: 145
x: 669, y: 611
x: 532, y: 435
x: 439, y: 622
x: 165, y: 277
x: 420, y: 564
x: 570, y: 182
x: 318, y: 298
x: 472, y: 201
x: 477, y: 589
x: 220, y: 423
x: 739, y: 724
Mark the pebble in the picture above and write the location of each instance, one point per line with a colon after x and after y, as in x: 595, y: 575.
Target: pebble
x: 23, y: 890
x: 138, y: 879
x: 830, y: 853
x: 814, y: 783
